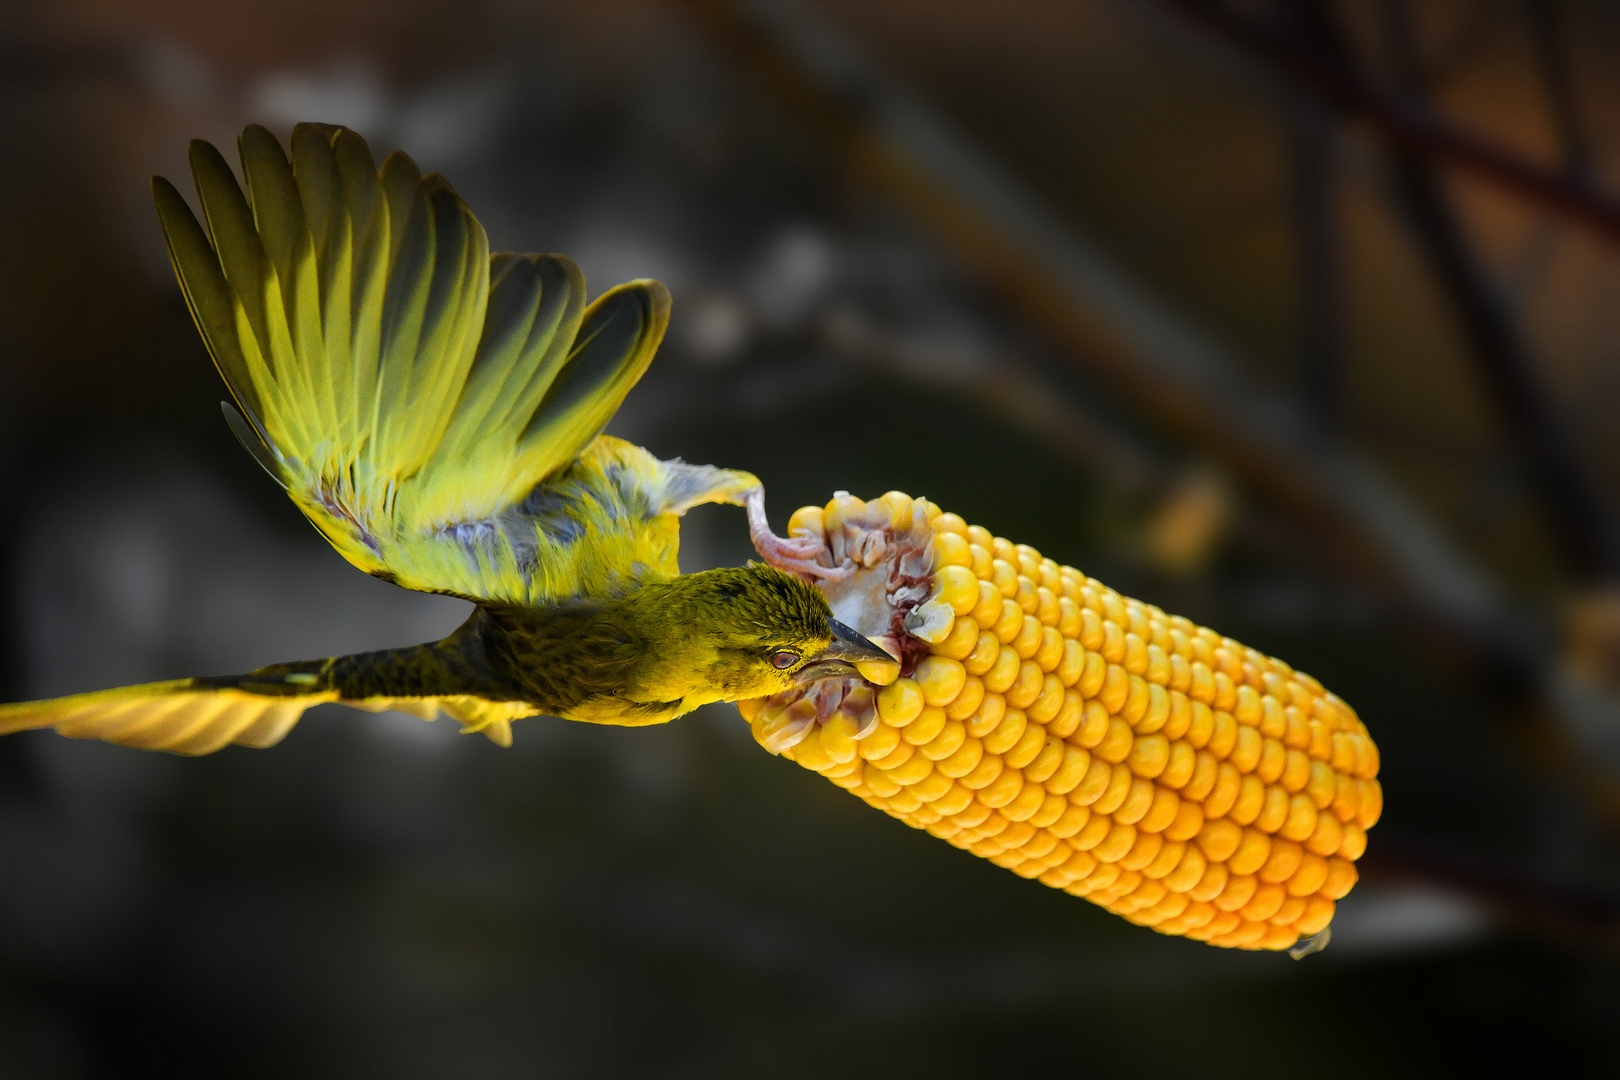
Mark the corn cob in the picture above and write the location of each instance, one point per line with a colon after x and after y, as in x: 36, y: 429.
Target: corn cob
x: 1077, y: 737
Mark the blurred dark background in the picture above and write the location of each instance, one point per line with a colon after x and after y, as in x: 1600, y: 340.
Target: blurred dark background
x: 1300, y: 319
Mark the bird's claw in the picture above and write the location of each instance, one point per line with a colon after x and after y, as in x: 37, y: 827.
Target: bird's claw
x: 796, y: 555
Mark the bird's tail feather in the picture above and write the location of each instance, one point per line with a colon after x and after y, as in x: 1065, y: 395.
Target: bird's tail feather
x: 199, y: 716
x: 185, y: 716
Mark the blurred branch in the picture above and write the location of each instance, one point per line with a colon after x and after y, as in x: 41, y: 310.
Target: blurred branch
x: 1574, y: 511
x: 1322, y: 331
x: 1073, y: 291
x: 1321, y: 256
x: 1406, y: 123
x: 1006, y: 388
x: 1583, y: 917
x: 1552, y: 61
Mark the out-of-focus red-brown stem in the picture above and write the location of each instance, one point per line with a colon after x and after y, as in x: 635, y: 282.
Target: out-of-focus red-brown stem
x: 1408, y: 123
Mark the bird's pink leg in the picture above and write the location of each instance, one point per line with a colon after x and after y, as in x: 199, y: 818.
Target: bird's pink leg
x: 796, y: 556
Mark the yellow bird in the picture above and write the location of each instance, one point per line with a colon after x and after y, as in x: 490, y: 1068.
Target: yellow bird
x: 435, y: 412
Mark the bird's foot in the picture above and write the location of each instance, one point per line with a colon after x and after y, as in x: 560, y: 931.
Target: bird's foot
x: 794, y: 555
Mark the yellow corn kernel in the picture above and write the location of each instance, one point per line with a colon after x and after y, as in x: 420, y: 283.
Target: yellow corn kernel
x: 1225, y: 792
x: 987, y: 612
x: 1323, y: 785
x: 878, y: 672
x: 984, y: 654
x: 1341, y: 875
x: 1149, y: 755
x: 838, y: 739
x: 1116, y: 745
x: 895, y: 758
x: 1003, y: 790
x: 1251, y: 798
x: 1001, y: 676
x: 1219, y: 839
x: 1141, y: 856
x: 1179, y: 764
x: 1266, y: 902
x: 1188, y: 872
x: 1355, y: 842
x: 1093, y: 784
x: 1170, y: 856
x: 1091, y: 833
x: 1275, y: 811
x: 808, y: 752
x: 911, y: 770
x: 1046, y: 761
x: 1301, y: 820
x: 1309, y: 878
x: 1162, y: 812
x: 960, y: 643
x: 1009, y: 623
x: 964, y: 760
x: 1071, y: 821
x: 880, y: 743
x: 1049, y: 654
x: 1245, y: 753
x: 926, y: 727
x: 1239, y: 891
x: 949, y: 740
x: 1027, y: 642
x: 1157, y: 713
x: 1251, y: 854
x: 1093, y: 726
x: 953, y: 801
x: 900, y: 702
x: 1025, y: 803
x: 1372, y: 803
x: 1090, y: 741
x: 957, y: 587
x: 1137, y: 802
x: 1093, y: 676
x: 1289, y: 911
x: 1116, y: 843
x: 1188, y: 823
x: 968, y: 700
x: 1205, y: 772
x: 1283, y: 861
x: 1326, y: 837
x: 1026, y: 749
x: 1115, y: 690
x: 1049, y: 702
x: 878, y: 781
x: 1049, y: 809
x: 1007, y: 733
x: 1117, y: 791
x: 987, y: 717
x: 1026, y: 687
x: 1318, y: 913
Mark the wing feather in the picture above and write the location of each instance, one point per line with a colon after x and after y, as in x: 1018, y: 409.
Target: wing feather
x: 424, y: 403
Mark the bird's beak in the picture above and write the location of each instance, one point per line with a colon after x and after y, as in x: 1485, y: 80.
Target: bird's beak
x: 837, y: 661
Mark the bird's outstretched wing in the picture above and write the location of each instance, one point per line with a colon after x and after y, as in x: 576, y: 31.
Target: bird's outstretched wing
x: 434, y: 410
x: 199, y: 716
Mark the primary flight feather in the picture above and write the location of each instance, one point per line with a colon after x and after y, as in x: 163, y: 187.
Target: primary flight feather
x: 435, y: 411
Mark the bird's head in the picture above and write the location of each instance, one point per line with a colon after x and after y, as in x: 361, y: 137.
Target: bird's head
x: 760, y: 631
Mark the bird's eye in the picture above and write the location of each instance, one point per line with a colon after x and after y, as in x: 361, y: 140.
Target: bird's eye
x: 782, y: 659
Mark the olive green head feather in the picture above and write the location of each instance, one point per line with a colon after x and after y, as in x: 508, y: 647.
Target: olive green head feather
x: 749, y: 632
